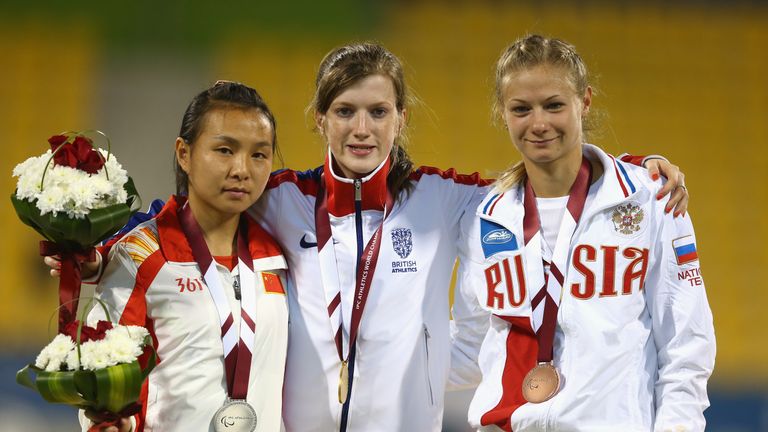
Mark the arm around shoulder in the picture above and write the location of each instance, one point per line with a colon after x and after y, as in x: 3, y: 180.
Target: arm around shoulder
x: 470, y: 321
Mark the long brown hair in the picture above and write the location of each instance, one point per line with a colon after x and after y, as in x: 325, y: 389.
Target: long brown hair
x: 525, y: 53
x: 347, y: 65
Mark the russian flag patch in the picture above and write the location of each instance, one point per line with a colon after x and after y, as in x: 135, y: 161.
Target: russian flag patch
x: 685, y: 249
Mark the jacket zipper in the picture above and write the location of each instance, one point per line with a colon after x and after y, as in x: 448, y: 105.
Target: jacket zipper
x: 359, y: 217
x: 429, y: 380
x: 358, y: 183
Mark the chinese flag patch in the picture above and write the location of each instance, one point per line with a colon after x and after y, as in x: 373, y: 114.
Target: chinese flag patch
x: 272, y: 283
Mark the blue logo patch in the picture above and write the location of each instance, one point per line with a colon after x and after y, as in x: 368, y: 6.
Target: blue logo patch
x: 499, y: 236
x: 495, y: 238
x: 402, y: 241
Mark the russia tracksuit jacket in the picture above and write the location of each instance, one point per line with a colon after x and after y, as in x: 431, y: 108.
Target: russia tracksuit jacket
x: 634, y: 340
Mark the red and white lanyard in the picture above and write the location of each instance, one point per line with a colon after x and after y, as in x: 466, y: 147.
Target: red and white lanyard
x: 546, y: 301
x: 328, y: 268
x: 237, y: 341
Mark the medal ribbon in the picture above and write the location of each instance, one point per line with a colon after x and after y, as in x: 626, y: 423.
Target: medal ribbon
x: 546, y: 302
x: 69, y: 279
x: 365, y: 269
x: 237, y: 342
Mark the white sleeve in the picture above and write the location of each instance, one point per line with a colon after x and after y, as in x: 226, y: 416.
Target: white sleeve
x: 682, y: 329
x: 116, y: 285
x: 266, y: 211
x: 114, y: 290
x: 94, y: 279
x: 470, y: 322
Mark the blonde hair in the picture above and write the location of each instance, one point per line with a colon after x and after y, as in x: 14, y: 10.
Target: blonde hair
x: 525, y: 53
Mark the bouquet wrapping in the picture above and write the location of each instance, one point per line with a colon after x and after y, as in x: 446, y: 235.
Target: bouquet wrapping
x: 99, y: 368
x: 75, y: 196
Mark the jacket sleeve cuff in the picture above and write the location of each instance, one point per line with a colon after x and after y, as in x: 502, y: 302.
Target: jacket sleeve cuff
x: 639, y: 160
x: 93, y: 280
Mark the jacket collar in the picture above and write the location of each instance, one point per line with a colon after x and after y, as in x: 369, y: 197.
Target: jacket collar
x: 341, y: 190
x: 176, y: 248
x: 618, y: 185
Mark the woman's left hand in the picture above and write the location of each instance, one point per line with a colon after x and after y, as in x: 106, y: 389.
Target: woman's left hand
x: 679, y: 197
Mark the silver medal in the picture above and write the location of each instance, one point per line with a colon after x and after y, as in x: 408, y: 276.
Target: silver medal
x: 235, y: 416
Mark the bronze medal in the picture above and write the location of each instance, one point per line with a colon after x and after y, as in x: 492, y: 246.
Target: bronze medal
x: 541, y: 383
x: 343, y: 383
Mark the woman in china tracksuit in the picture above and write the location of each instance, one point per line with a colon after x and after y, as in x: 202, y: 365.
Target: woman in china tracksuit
x: 371, y: 243
x: 224, y: 157
x: 600, y: 320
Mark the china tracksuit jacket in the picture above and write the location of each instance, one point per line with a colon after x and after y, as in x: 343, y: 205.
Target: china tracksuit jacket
x: 634, y: 340
x: 152, y: 280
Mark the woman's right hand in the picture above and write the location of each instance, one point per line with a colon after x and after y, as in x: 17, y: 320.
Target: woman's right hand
x: 123, y: 425
x: 88, y: 270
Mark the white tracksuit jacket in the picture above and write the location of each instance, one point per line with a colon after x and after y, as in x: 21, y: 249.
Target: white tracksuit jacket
x: 634, y: 341
x: 403, y: 347
x: 152, y: 280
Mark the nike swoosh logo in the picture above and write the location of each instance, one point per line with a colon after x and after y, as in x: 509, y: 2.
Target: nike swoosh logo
x: 305, y: 244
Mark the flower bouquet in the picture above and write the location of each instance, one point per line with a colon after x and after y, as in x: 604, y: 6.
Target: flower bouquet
x: 75, y: 196
x: 94, y: 368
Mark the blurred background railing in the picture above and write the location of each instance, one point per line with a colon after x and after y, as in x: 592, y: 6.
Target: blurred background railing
x: 687, y: 80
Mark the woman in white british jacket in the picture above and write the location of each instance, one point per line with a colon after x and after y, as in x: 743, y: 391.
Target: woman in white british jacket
x: 600, y: 321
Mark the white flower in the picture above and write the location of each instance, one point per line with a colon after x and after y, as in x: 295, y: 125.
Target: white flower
x: 69, y: 190
x: 81, y: 196
x: 134, y: 333
x: 94, y: 355
x: 73, y: 363
x: 123, y: 349
x: 50, y: 200
x: 126, y: 343
x: 121, y: 344
x: 55, y: 354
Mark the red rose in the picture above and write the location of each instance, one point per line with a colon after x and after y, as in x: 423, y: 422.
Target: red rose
x: 101, y: 329
x: 88, y: 333
x: 57, y: 140
x: 79, y: 154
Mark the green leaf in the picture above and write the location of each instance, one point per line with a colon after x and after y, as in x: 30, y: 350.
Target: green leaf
x: 112, y: 388
x: 59, y: 387
x: 26, y: 378
x: 85, y: 381
x: 118, y: 386
x: 74, y: 235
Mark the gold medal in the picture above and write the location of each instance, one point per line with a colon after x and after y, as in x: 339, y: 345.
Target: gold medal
x: 343, y: 383
x: 541, y: 383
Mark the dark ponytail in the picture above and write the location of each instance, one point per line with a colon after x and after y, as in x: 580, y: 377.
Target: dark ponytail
x: 223, y: 94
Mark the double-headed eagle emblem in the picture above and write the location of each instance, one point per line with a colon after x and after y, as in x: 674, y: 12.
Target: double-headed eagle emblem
x: 626, y: 218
